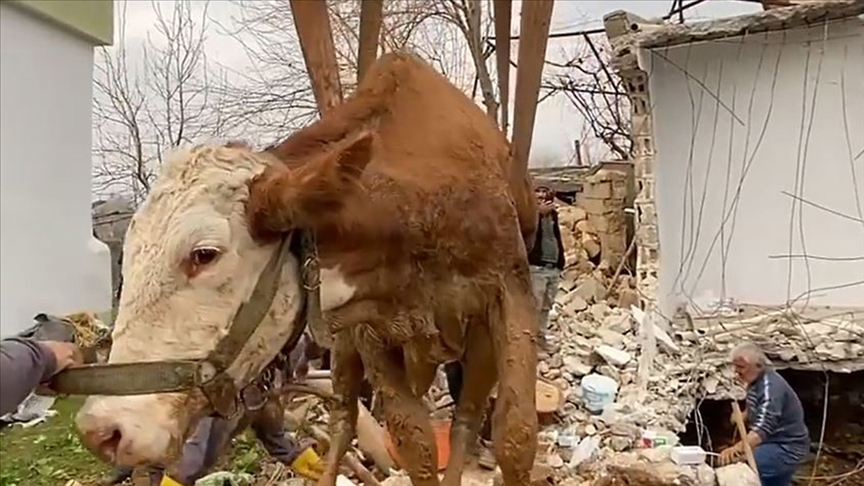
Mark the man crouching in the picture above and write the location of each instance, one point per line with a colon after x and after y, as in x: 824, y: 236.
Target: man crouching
x: 777, y: 432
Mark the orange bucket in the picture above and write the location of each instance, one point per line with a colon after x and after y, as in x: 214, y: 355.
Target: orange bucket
x: 441, y: 431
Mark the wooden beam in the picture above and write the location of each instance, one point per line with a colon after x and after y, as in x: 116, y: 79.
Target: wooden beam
x: 312, y: 22
x: 503, y: 16
x: 371, y: 14
x: 533, y: 34
x: 742, y: 431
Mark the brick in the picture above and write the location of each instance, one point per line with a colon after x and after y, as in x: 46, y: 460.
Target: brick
x: 647, y: 234
x: 598, y: 190
x: 608, y: 224
x: 647, y: 214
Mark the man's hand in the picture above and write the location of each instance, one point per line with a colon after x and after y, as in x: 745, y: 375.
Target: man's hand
x: 66, y: 354
x: 545, y: 208
x: 730, y: 454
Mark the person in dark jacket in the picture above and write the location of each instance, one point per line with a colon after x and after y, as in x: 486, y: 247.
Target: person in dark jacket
x: 777, y: 432
x: 27, y: 363
x: 547, y: 257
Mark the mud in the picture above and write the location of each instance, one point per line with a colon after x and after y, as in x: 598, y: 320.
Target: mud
x: 408, y: 187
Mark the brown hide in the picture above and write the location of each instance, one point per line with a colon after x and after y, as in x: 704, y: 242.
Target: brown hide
x: 430, y: 237
x: 420, y: 115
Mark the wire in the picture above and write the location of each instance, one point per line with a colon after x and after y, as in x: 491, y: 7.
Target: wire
x: 602, y: 30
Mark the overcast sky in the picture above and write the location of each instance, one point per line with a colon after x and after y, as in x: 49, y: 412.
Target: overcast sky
x: 557, y: 124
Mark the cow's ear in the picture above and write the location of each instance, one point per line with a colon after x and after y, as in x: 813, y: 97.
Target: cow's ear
x: 311, y: 193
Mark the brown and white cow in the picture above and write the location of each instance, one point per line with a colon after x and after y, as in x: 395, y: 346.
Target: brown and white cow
x: 421, y: 244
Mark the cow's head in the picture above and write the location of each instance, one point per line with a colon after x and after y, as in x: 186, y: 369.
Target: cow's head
x: 190, y: 260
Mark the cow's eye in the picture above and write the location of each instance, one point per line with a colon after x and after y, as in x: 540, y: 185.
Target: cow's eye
x: 201, y: 257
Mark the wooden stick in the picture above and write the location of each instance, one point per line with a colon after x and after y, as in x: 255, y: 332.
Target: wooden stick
x: 312, y: 21
x: 503, y: 14
x: 370, y: 434
x: 371, y: 13
x: 742, y: 430
x: 318, y: 375
x: 350, y: 459
x: 534, y: 34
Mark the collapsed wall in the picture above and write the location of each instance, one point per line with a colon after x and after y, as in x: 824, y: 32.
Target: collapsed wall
x: 603, y: 198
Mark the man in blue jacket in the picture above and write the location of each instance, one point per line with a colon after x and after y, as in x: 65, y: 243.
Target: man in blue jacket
x: 777, y: 432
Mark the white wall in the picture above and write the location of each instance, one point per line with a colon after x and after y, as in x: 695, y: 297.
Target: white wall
x: 49, y: 260
x: 700, y: 146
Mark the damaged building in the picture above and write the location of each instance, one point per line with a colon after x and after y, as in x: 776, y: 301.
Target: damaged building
x: 749, y: 226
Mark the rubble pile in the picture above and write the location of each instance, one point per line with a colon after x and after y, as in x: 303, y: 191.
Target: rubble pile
x: 603, y: 198
x: 588, y: 336
x: 834, y: 340
x: 580, y: 239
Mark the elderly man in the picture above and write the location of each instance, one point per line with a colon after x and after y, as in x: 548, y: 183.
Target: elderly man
x: 777, y: 433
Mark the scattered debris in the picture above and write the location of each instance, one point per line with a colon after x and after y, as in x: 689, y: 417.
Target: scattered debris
x: 736, y: 475
x: 35, y: 409
x: 224, y: 478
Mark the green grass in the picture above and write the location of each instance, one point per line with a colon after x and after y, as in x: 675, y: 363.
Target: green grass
x: 49, y: 454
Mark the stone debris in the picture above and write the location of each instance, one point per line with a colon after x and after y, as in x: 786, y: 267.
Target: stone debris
x: 815, y: 339
x: 687, y: 360
x: 736, y: 475
x: 580, y: 240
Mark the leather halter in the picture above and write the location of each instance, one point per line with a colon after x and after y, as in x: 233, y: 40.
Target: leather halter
x: 210, y: 374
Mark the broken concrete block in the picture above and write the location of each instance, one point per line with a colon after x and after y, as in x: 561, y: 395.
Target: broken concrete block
x: 628, y: 298
x: 576, y: 366
x: 575, y: 304
x: 599, y: 311
x: 585, y: 227
x: 613, y: 356
x: 738, y: 474
x: 617, y: 322
x: 591, y: 290
x: 611, y: 338
x: 710, y: 385
x: 591, y: 245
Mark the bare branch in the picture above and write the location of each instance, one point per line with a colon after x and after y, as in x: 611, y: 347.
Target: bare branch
x: 150, y: 98
x: 596, y: 93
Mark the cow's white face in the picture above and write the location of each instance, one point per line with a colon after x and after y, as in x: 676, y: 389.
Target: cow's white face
x: 189, y: 263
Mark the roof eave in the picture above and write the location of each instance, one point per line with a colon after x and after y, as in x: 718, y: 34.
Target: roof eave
x: 646, y: 34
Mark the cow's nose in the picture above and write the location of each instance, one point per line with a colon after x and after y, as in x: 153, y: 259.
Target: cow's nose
x: 103, y: 440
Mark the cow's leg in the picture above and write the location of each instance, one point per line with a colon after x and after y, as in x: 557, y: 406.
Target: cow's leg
x: 514, y: 324
x: 407, y: 417
x: 347, y: 376
x: 479, y: 374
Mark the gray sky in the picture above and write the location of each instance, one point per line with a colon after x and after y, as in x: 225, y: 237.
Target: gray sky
x: 557, y: 124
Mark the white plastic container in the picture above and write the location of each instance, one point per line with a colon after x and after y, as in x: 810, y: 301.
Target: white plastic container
x: 598, y: 391
x: 688, y: 455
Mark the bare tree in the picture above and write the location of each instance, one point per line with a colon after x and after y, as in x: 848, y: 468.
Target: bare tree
x: 150, y: 98
x: 276, y: 89
x: 596, y: 92
x: 468, y: 16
